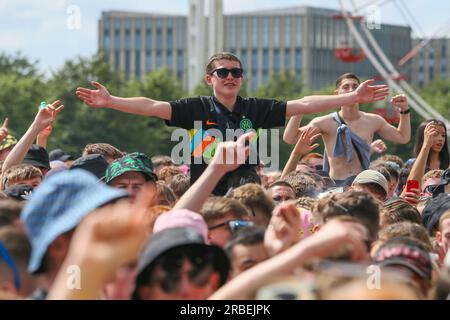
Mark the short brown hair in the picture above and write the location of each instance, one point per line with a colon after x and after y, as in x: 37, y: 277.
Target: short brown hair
x: 304, y: 185
x: 19, y: 172
x: 9, y: 211
x: 169, y: 171
x: 105, y: 149
x: 16, y: 242
x: 180, y: 184
x: 221, y: 56
x: 359, y: 205
x: 393, y: 158
x: 397, y: 211
x: 346, y: 76
x: 216, y: 207
x: 253, y: 195
x: 166, y: 192
x: 161, y: 160
x: 406, y: 229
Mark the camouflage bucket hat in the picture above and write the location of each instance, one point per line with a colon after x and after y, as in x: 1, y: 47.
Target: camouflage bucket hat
x: 135, y: 161
x: 8, y: 142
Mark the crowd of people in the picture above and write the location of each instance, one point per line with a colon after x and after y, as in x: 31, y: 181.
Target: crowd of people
x: 353, y: 223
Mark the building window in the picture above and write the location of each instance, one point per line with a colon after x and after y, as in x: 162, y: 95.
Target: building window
x: 287, y: 58
x: 276, y: 60
x: 254, y: 59
x: 298, y: 32
x: 137, y: 39
x: 276, y: 31
x: 180, y: 60
x: 127, y: 39
x: 266, y: 32
x: 169, y: 39
x: 298, y: 60
x: 106, y: 40
x: 244, y: 32
x: 254, y: 80
x: 116, y: 60
x: 117, y: 39
x: 127, y: 64
x: 244, y: 58
x: 255, y: 32
x: 148, y: 39
x: 148, y: 61
x: 169, y: 59
x: 159, y: 40
x: 137, y: 61
x: 158, y: 59
x: 265, y: 65
x: 287, y: 31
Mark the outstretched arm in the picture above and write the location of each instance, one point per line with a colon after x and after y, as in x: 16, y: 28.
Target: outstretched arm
x: 101, y: 98
x: 314, y: 104
x: 402, y: 134
x: 43, y: 119
x: 229, y: 156
x: 333, y: 235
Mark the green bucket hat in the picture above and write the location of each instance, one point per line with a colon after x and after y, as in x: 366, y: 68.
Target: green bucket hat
x: 8, y: 142
x: 135, y: 161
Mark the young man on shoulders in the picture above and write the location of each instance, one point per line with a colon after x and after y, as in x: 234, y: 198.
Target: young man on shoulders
x: 226, y: 110
x: 348, y: 133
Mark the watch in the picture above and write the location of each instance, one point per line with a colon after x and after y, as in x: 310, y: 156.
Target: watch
x: 406, y: 111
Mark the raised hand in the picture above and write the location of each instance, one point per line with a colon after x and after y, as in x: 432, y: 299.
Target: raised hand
x: 230, y: 154
x: 304, y: 144
x: 47, y: 115
x: 283, y: 229
x: 378, y: 146
x: 99, y: 98
x: 429, y: 134
x: 367, y: 93
x: 412, y: 197
x: 4, y: 130
x: 400, y: 101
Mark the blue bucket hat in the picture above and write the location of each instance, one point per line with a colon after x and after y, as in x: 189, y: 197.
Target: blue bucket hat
x: 58, y: 206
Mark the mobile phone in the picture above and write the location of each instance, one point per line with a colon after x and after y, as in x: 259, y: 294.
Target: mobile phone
x: 412, y: 184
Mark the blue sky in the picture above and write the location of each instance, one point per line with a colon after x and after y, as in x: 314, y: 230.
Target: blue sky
x: 38, y: 28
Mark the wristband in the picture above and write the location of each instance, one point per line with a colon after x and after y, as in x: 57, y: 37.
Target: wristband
x: 406, y: 111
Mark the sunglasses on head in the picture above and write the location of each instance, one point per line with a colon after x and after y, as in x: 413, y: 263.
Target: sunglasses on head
x: 224, y: 72
x: 234, y: 225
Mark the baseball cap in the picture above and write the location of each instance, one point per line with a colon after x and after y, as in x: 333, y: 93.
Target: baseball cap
x: 410, y: 256
x: 58, y: 206
x: 182, y: 218
x: 8, y: 142
x: 94, y: 163
x: 135, y: 161
x: 59, y: 154
x: 372, y: 176
x: 37, y: 156
x: 165, y: 240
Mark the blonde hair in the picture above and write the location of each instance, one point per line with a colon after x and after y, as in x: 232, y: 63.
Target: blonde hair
x: 19, y: 172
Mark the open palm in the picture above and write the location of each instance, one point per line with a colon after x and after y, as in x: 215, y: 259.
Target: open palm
x: 367, y: 93
x: 95, y: 98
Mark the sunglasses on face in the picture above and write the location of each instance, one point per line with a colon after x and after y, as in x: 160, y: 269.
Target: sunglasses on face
x: 224, y: 72
x: 234, y: 225
x: 430, y: 188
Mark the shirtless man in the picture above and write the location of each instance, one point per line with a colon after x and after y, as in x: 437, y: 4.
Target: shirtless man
x: 342, y: 163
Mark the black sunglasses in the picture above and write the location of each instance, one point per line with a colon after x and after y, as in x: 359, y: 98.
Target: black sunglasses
x: 224, y: 72
x: 234, y: 225
x: 430, y: 188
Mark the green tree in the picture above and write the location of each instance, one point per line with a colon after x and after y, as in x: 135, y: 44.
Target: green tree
x: 22, y: 89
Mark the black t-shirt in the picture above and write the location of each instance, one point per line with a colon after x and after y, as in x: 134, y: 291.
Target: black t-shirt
x: 249, y: 113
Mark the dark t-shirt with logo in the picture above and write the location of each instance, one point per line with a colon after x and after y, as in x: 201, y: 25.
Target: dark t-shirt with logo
x: 249, y: 113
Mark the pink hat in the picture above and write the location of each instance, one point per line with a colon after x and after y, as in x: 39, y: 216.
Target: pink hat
x: 181, y: 218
